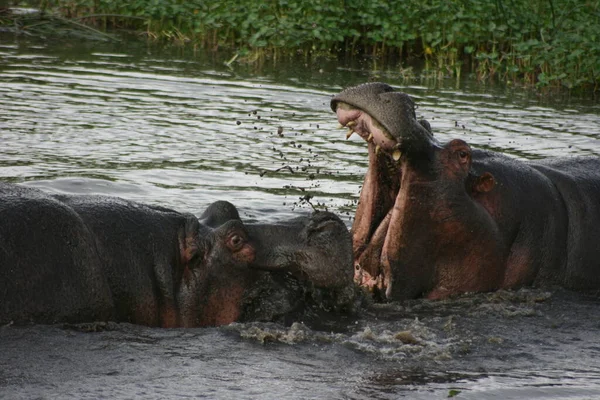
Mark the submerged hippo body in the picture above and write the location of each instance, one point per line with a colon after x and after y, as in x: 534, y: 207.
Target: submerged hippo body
x: 438, y: 220
x: 96, y: 258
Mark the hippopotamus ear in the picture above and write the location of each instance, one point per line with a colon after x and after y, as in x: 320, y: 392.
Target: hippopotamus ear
x: 484, y: 183
x: 218, y: 213
x: 189, y: 241
x: 425, y: 124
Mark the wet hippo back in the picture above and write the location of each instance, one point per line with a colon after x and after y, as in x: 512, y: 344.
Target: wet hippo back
x: 138, y: 249
x: 49, y: 267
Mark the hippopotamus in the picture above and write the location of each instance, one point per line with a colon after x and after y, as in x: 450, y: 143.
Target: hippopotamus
x: 69, y: 258
x: 437, y: 220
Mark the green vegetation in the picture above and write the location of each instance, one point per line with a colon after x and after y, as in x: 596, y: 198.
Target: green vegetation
x: 538, y: 42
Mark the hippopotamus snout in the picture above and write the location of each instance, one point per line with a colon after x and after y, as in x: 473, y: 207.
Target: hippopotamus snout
x: 316, y: 247
x: 383, y: 117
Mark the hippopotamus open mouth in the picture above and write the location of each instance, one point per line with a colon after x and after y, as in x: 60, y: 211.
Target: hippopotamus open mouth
x: 394, y: 136
x: 439, y: 220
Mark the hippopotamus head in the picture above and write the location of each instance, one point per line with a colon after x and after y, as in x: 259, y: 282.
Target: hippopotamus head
x: 216, y: 261
x: 233, y: 255
x: 417, y: 224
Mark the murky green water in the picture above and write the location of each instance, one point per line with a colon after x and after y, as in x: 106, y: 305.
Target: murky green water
x: 170, y: 127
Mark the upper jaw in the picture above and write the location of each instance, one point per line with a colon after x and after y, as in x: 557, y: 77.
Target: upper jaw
x: 356, y: 108
x: 367, y: 127
x: 389, y: 116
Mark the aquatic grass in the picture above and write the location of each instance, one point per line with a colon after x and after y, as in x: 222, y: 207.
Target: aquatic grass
x: 39, y: 23
x: 547, y: 43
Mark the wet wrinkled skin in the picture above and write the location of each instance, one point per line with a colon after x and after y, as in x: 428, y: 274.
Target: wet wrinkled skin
x: 309, y: 278
x: 438, y: 220
x: 96, y: 258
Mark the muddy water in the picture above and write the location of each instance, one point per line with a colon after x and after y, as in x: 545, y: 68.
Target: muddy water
x: 181, y: 130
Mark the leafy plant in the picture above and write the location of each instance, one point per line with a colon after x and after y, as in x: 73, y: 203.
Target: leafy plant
x: 537, y: 42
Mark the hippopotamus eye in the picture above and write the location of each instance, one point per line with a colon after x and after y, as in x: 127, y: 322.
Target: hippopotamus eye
x: 463, y: 154
x: 236, y: 241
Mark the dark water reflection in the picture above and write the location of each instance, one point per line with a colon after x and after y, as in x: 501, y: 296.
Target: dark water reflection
x: 529, y: 344
x: 170, y: 127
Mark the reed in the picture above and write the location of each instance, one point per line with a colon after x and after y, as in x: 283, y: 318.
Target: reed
x: 547, y: 43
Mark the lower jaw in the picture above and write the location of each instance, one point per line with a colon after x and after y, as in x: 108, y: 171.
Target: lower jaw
x: 383, y: 180
x: 372, y: 284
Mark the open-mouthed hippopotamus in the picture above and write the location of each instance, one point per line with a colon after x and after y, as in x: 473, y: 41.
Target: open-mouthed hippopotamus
x: 96, y: 258
x: 438, y: 220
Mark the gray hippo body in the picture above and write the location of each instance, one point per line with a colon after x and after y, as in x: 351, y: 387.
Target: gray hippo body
x: 96, y: 258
